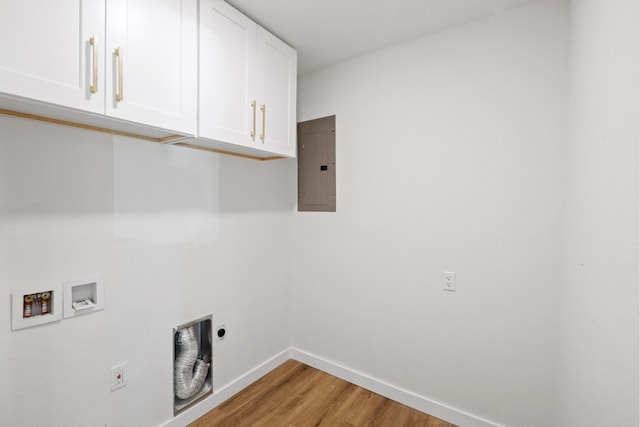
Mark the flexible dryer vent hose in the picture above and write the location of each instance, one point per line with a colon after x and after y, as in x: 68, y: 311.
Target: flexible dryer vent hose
x: 189, y: 372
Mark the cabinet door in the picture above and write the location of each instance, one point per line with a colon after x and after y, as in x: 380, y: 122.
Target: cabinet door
x: 152, y: 62
x: 228, y: 104
x: 277, y: 68
x: 46, y: 53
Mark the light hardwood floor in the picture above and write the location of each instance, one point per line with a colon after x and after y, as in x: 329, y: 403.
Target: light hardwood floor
x: 297, y: 395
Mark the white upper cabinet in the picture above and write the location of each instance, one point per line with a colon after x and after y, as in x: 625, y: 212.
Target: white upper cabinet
x: 157, y: 69
x: 247, y: 88
x: 63, y: 53
x: 151, y: 73
x: 227, y: 74
x: 277, y: 77
x: 53, y: 51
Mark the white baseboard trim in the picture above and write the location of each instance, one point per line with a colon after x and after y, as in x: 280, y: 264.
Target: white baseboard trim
x: 227, y: 391
x: 408, y: 398
x: 413, y: 400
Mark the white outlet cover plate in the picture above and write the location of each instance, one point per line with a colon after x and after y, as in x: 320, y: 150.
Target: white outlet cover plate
x: 449, y: 281
x: 118, y: 376
x: 220, y: 338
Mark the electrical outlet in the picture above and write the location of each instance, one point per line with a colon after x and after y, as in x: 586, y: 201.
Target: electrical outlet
x: 449, y: 281
x: 118, y: 376
x: 221, y: 331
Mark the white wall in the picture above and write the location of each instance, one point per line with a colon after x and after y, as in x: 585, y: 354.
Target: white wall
x: 450, y: 156
x: 177, y: 234
x: 598, y: 357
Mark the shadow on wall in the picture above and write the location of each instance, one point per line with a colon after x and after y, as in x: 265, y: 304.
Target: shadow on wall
x: 48, y: 170
x: 257, y: 186
x: 154, y: 192
x: 164, y: 194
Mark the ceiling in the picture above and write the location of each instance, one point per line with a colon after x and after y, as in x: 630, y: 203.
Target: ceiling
x: 329, y: 31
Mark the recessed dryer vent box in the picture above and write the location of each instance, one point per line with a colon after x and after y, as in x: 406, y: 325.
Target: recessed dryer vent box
x: 83, y: 297
x: 35, y: 306
x: 192, y: 349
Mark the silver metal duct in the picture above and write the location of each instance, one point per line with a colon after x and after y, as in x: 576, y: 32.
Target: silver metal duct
x: 189, y: 372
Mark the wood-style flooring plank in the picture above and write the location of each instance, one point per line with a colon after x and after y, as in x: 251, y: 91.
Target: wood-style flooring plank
x: 297, y: 395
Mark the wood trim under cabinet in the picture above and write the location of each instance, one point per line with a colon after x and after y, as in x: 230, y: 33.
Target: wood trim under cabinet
x: 163, y: 140
x: 229, y: 153
x: 87, y: 127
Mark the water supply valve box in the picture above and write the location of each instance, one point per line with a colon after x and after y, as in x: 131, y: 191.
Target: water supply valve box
x: 35, y: 306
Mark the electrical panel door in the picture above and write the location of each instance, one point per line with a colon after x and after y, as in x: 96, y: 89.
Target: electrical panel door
x: 317, y: 165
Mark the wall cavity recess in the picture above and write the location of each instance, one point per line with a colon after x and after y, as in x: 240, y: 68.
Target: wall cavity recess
x: 192, y: 355
x: 83, y: 297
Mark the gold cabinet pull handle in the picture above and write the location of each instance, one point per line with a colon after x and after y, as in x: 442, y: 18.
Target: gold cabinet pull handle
x: 253, y: 106
x: 263, y: 108
x: 120, y: 90
x: 93, y: 88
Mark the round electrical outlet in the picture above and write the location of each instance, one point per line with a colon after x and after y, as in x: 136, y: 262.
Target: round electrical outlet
x: 221, y: 332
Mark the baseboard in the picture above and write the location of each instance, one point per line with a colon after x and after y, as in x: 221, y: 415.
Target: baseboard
x: 413, y: 400
x: 224, y: 393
